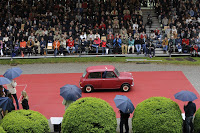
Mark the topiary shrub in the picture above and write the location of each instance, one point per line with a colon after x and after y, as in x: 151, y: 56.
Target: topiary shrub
x: 197, y: 121
x: 1, y: 130
x: 89, y: 115
x: 25, y: 121
x: 157, y: 115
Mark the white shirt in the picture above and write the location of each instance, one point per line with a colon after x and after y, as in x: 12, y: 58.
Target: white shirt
x: 12, y: 87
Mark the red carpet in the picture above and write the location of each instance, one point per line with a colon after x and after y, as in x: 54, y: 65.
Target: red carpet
x: 43, y: 89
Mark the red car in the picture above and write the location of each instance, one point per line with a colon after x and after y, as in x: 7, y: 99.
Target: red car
x: 105, y: 77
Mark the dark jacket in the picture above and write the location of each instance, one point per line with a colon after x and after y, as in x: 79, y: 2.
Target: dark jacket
x: 124, y: 116
x: 190, y: 109
x: 25, y: 104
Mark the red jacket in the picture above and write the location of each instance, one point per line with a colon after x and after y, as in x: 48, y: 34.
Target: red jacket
x: 98, y: 41
x: 103, y: 44
x: 70, y: 43
x: 185, y: 41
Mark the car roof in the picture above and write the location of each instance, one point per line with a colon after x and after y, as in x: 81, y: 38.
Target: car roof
x: 100, y: 68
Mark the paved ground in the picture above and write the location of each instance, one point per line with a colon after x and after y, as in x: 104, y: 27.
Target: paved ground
x: 191, y: 72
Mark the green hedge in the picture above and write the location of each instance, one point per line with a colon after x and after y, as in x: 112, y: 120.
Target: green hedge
x: 157, y: 115
x: 197, y: 121
x: 89, y: 115
x: 1, y: 130
x: 25, y: 121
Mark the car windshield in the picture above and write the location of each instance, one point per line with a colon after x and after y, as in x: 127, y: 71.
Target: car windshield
x: 116, y: 72
x: 84, y: 74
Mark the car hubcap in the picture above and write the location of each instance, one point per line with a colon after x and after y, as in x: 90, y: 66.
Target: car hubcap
x: 125, y: 88
x: 88, y: 89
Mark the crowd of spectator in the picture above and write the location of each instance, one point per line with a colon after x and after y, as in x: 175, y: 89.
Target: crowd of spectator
x: 114, y: 26
x: 68, y: 25
x: 180, y: 21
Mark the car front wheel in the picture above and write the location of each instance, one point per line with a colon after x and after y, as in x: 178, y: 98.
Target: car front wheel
x: 125, y: 87
x: 88, y: 89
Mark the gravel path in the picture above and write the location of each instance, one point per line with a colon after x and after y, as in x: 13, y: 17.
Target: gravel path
x: 191, y: 72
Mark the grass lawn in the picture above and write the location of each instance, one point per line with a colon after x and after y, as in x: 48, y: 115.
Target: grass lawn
x: 172, y: 60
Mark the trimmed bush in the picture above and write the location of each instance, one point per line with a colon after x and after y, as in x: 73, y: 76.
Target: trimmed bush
x: 197, y: 121
x: 157, y: 115
x: 1, y: 130
x: 89, y: 115
x: 25, y: 121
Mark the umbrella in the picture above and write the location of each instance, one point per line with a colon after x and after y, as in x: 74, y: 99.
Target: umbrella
x: 70, y: 92
x: 4, y: 81
x: 124, y: 104
x: 6, y: 104
x: 185, y: 96
x: 13, y: 73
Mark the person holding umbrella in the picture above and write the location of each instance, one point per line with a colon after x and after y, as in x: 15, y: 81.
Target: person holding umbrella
x: 126, y: 107
x: 189, y: 109
x: 11, y: 74
x: 70, y: 93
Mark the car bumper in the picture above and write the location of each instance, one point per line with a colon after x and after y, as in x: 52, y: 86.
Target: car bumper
x: 132, y: 84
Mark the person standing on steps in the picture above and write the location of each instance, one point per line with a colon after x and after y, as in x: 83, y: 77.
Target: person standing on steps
x: 124, y: 121
x: 12, y: 89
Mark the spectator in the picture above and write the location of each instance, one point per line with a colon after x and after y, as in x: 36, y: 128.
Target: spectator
x: 24, y: 102
x: 70, y: 45
x: 22, y: 47
x: 109, y: 44
x: 138, y: 45
x: 76, y: 44
x: 97, y: 42
x: 131, y: 45
x: 29, y: 46
x: 172, y: 44
x: 36, y: 47
x: 116, y: 44
x: 124, y: 45
x: 56, y: 46
x: 83, y: 45
x: 62, y: 46
x: 42, y: 46
x: 104, y: 49
x: 165, y: 44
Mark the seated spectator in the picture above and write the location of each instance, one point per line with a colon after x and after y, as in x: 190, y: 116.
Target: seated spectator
x: 36, y: 47
x: 179, y: 47
x: 178, y: 40
x: 172, y: 44
x: 22, y: 47
x: 138, y: 44
x: 96, y: 44
x: 149, y: 20
x: 16, y: 49
x: 83, y: 35
x: 165, y: 21
x: 110, y: 35
x: 151, y: 50
x: 56, y: 46
x: 116, y: 44
x: 109, y: 29
x: 165, y: 44
x: 70, y: 45
x: 62, y: 46
x: 76, y: 44
x: 83, y: 45
x: 109, y: 44
x: 91, y: 35
x: 43, y: 45
x: 197, y: 42
x: 104, y: 49
x: 29, y: 46
x: 131, y: 45
x: 124, y: 45
x: 185, y: 45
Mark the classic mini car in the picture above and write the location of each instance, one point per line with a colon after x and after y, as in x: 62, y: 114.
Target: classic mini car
x: 105, y: 77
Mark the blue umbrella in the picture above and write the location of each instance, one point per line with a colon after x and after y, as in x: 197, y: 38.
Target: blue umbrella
x: 6, y: 104
x: 124, y: 104
x: 4, y: 81
x: 13, y: 73
x: 185, y: 96
x: 70, y: 92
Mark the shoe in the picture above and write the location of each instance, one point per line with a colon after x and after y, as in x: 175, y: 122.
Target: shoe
x: 62, y: 54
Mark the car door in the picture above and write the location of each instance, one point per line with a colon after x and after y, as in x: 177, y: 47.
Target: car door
x: 109, y: 80
x: 94, y: 79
